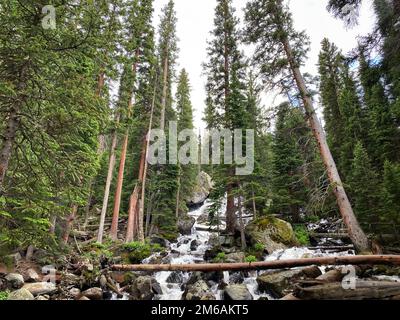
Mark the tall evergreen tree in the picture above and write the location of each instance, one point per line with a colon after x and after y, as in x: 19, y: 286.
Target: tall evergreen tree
x: 280, y: 52
x: 226, y: 100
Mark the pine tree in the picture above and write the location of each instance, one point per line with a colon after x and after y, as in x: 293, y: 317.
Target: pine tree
x: 226, y: 100
x: 364, y: 186
x: 391, y: 193
x: 187, y: 171
x: 280, y: 52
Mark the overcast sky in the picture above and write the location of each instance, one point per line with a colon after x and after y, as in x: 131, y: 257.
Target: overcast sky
x: 195, y: 21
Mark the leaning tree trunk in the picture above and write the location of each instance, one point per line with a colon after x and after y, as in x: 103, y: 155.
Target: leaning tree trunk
x: 120, y: 179
x: 111, y: 166
x: 356, y: 234
x: 12, y: 125
x: 69, y: 223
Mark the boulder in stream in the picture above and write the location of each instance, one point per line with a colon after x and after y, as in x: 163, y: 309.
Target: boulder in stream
x: 21, y: 294
x: 40, y: 288
x: 202, y: 189
x: 145, y: 288
x: 15, y: 280
x: 198, y: 291
x: 273, y: 233
x: 185, y: 224
x: 238, y: 292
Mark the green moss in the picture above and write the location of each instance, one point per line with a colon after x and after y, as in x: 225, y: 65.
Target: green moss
x: 250, y: 259
x: 259, y: 247
x: 221, y: 257
x: 138, y: 251
x: 302, y: 235
x: 4, y: 295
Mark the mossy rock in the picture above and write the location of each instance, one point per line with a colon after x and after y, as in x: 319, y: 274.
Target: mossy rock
x: 273, y: 233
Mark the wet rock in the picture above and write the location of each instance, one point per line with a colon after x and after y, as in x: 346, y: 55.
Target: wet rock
x: 175, y: 277
x: 215, y: 276
x: 75, y: 293
x: 41, y: 288
x: 145, y: 288
x: 31, y: 276
x: 274, y: 234
x: 236, y: 278
x: 235, y: 257
x: 15, y: 280
x: 21, y: 294
x: 159, y: 240
x: 203, y: 218
x: 226, y: 241
x: 194, y: 245
x: 198, y: 291
x: 185, y: 224
x: 332, y: 276
x: 93, y: 294
x: 202, y: 189
x: 237, y: 292
x: 279, y: 283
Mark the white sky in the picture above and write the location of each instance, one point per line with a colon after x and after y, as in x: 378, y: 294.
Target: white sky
x: 195, y: 21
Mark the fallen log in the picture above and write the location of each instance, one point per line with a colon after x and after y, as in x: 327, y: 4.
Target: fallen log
x: 333, y: 248
x: 363, y: 290
x: 265, y: 265
x: 330, y: 235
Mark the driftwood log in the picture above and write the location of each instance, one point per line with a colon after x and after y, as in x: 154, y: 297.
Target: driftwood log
x: 393, y: 260
x: 363, y: 290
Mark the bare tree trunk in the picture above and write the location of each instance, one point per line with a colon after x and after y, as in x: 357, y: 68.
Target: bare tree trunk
x: 69, y: 223
x: 130, y: 232
x: 53, y: 222
x: 111, y: 166
x: 12, y: 125
x: 391, y: 260
x: 118, y: 191
x: 242, y: 235
x: 254, y: 204
x: 230, y: 211
x: 356, y: 234
x: 178, y: 196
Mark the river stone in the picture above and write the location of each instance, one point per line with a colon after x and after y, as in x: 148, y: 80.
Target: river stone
x: 194, y: 245
x: 237, y: 292
x: 40, y: 288
x: 278, y: 282
x: 41, y: 298
x: 198, y: 291
x: 15, y: 280
x: 145, y: 288
x: 235, y: 257
x: 202, y: 189
x: 185, y: 224
x: 93, y: 293
x: 21, y: 294
x: 154, y: 239
x: 31, y: 276
x: 274, y: 234
x: 175, y: 277
x: 75, y: 293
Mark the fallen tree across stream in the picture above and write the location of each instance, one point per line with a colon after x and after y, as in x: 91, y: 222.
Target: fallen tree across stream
x: 265, y: 265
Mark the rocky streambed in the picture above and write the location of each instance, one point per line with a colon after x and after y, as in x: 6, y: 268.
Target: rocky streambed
x: 83, y: 280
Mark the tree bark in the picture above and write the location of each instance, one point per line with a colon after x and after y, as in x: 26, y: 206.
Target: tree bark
x: 356, y: 234
x: 392, y: 260
x: 241, y: 224
x: 230, y: 211
x: 12, y: 125
x: 178, y: 195
x: 118, y: 191
x: 69, y: 223
x: 120, y: 179
x: 164, y: 92
x: 111, y: 166
x: 130, y: 232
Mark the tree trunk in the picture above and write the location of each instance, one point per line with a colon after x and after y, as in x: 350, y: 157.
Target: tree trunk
x: 164, y: 93
x: 391, y: 260
x: 254, y: 204
x: 178, y: 196
x: 111, y: 166
x: 241, y: 222
x: 12, y: 125
x: 118, y: 191
x: 230, y: 211
x: 69, y: 223
x: 356, y: 234
x: 120, y: 179
x: 130, y: 231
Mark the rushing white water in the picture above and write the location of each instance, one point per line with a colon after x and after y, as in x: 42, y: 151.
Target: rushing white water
x: 181, y: 253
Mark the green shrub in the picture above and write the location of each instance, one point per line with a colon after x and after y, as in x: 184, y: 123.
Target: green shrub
x: 250, y: 259
x: 259, y: 247
x: 4, y: 295
x: 302, y: 235
x: 139, y: 251
x: 312, y: 219
x: 221, y: 257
